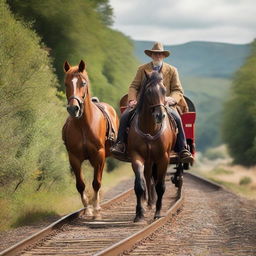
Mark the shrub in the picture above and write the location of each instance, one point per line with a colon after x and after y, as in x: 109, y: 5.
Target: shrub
x: 245, y: 180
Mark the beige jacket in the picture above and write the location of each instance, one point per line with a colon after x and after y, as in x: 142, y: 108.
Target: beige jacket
x: 170, y: 80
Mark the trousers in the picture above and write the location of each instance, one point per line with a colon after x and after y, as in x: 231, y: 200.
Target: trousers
x: 181, y: 142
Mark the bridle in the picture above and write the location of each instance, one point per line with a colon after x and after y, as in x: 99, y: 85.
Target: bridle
x: 78, y: 99
x: 149, y: 137
x: 157, y: 105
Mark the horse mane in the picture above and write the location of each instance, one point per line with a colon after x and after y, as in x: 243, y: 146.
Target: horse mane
x: 148, y: 82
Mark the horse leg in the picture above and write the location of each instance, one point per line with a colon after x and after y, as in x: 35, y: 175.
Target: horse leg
x: 139, y: 187
x: 150, y: 184
x: 160, y: 185
x: 98, y: 163
x: 75, y: 164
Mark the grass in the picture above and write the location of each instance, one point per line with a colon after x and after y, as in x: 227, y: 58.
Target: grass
x: 31, y: 216
x: 245, y: 180
x: 242, y: 190
x: 26, y: 207
x: 218, y: 171
x: 245, y: 187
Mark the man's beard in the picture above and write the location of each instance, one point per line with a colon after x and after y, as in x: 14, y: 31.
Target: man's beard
x: 157, y: 63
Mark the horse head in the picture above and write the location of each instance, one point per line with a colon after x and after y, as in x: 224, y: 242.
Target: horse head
x: 76, y: 82
x: 153, y: 94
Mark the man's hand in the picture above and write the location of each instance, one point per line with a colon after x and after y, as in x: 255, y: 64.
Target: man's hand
x: 132, y: 103
x: 170, y: 101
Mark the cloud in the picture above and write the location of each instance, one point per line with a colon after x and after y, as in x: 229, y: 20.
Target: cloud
x: 212, y: 20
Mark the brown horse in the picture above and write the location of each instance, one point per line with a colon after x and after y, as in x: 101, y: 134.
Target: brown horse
x: 150, y: 139
x: 84, y: 132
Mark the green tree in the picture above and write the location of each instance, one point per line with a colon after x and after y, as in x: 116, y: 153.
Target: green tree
x: 239, y: 124
x: 76, y: 30
x: 31, y: 114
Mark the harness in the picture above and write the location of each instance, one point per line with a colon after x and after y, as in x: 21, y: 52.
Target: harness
x: 148, y: 136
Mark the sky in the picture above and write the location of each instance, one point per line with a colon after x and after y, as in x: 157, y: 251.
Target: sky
x: 181, y: 21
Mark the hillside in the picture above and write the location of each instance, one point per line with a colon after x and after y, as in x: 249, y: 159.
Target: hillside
x: 207, y: 59
x: 75, y: 30
x: 208, y: 94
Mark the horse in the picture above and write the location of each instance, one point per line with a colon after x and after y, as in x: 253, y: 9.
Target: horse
x: 84, y: 132
x: 150, y: 139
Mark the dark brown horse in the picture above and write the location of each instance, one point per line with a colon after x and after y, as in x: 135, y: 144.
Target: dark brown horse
x: 84, y: 132
x: 150, y: 139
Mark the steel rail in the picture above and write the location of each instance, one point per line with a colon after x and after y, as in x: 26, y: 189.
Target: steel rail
x: 127, y: 243
x: 121, y: 246
x: 18, y: 247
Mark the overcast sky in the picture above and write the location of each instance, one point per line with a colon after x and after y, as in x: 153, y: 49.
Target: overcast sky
x: 181, y: 21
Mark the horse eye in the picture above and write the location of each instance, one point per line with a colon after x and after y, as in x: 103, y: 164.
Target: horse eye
x: 84, y: 83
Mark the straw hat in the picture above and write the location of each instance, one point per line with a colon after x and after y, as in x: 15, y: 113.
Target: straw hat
x: 157, y: 47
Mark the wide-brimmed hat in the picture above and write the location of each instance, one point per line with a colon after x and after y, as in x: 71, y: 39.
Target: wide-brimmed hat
x: 157, y: 47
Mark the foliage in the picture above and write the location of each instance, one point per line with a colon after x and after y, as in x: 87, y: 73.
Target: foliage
x: 31, y: 115
x: 208, y: 95
x: 75, y: 30
x: 239, y: 123
x: 220, y: 171
x: 245, y: 180
x: 220, y: 152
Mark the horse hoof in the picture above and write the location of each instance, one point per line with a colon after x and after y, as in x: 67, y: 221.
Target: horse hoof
x: 138, y: 219
x: 156, y: 217
x: 88, y: 212
x: 97, y: 217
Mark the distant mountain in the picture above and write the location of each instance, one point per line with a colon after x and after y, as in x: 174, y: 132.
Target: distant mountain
x: 201, y: 59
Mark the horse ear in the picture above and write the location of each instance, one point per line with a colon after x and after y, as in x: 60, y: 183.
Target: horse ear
x: 81, y: 66
x: 66, y: 66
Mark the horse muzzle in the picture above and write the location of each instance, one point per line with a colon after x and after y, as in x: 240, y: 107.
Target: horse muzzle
x: 159, y: 117
x: 74, y: 111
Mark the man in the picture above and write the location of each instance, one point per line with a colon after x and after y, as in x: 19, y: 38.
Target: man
x: 174, y: 93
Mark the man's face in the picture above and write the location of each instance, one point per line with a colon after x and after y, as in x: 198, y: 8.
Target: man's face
x: 157, y: 56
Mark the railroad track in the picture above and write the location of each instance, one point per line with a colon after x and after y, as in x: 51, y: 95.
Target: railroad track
x: 116, y: 233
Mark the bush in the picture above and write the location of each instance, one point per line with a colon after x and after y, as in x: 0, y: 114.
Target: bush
x: 245, y: 180
x: 216, y: 153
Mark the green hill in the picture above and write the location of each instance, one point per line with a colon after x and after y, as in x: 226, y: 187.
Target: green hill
x: 208, y: 94
x: 75, y: 30
x: 203, y: 59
